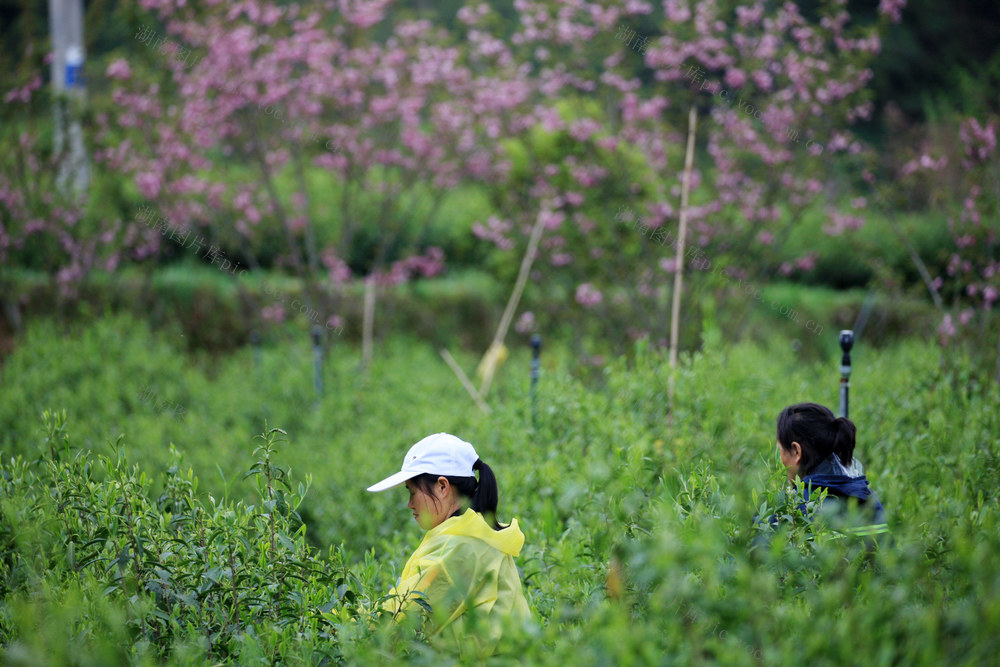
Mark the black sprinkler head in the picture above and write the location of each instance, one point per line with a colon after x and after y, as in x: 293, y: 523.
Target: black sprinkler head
x: 846, y: 340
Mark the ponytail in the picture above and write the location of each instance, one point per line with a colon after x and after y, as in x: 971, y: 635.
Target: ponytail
x: 844, y: 432
x: 486, y: 495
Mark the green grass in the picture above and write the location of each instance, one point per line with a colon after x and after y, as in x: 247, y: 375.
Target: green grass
x: 638, y: 529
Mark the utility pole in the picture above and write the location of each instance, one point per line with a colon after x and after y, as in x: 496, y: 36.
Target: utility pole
x: 69, y: 93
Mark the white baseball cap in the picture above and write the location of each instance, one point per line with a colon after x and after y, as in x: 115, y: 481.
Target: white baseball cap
x: 438, y: 454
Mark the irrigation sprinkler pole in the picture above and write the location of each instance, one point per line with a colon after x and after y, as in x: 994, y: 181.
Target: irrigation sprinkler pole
x: 536, y: 349
x: 368, y: 322
x: 846, y: 343
x: 255, y: 342
x: 317, y: 332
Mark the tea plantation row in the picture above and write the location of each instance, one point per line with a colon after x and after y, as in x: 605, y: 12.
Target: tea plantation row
x: 639, y: 541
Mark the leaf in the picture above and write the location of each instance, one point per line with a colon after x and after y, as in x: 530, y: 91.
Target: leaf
x: 159, y: 614
x: 255, y: 469
x: 423, y: 603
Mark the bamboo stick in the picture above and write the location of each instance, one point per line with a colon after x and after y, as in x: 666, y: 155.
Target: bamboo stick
x: 489, y: 361
x: 460, y: 374
x: 675, y: 308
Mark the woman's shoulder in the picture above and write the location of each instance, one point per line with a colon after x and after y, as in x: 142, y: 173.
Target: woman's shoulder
x: 472, y: 531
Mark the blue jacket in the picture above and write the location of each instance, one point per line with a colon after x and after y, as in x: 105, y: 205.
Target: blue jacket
x: 830, y: 475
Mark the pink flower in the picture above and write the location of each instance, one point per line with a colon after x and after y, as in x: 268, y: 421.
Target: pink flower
x: 588, y: 296
x: 149, y: 184
x: 337, y: 269
x: 806, y: 263
x: 552, y: 219
x: 980, y: 140
x: 495, y: 231
x: 526, y: 323
x: 892, y: 8
x: 275, y: 313
x: 923, y: 162
x: 676, y: 11
x: 582, y: 130
x: 119, y: 69
x: 965, y: 240
x: 735, y: 78
x: 763, y: 79
x: 946, y: 329
x: 842, y: 222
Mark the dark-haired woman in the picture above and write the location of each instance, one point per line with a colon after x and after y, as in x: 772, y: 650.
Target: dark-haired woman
x: 466, y: 559
x: 818, y: 448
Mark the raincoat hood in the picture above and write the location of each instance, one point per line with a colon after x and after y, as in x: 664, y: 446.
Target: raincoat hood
x: 471, y: 524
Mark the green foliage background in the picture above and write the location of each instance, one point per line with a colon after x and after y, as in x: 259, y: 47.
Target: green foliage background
x: 639, y: 544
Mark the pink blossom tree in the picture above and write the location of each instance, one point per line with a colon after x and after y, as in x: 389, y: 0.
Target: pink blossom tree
x: 777, y: 94
x: 275, y: 104
x: 235, y: 120
x: 973, y: 270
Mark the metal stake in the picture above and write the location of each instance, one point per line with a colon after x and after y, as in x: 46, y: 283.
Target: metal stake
x: 317, y: 332
x: 536, y: 349
x: 255, y: 341
x: 846, y: 343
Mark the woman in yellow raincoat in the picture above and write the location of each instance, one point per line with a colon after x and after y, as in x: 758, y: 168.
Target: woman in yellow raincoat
x: 464, y: 566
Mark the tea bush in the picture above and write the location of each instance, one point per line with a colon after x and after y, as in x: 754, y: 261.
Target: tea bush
x: 206, y: 580
x: 640, y: 547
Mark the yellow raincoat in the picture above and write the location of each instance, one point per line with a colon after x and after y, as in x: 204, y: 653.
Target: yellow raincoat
x: 463, y: 564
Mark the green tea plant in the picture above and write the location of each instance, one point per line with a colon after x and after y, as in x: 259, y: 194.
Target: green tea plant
x: 641, y: 544
x: 216, y: 580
